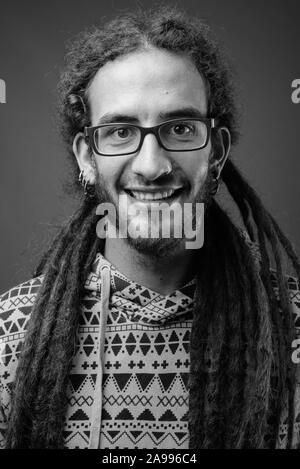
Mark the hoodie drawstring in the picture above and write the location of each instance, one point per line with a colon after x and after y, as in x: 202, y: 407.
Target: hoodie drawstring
x: 97, y: 405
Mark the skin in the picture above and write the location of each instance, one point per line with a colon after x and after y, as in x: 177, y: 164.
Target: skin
x: 146, y: 85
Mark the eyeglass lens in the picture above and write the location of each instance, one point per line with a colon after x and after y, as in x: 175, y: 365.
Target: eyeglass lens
x: 185, y: 135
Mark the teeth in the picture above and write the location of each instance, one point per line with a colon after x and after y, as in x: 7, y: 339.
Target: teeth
x: 151, y: 195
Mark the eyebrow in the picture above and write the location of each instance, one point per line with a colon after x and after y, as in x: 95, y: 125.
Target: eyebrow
x: 177, y: 113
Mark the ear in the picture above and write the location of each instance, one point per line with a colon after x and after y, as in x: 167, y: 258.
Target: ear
x: 221, y: 141
x: 85, y: 158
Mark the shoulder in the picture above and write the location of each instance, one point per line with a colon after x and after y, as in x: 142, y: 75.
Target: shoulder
x: 15, y: 307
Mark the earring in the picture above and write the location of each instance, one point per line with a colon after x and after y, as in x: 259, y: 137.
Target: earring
x: 89, y: 189
x: 215, y: 184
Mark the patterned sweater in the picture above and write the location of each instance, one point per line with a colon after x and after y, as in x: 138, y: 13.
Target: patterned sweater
x: 128, y: 386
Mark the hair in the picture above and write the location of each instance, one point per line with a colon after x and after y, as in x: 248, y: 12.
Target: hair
x: 241, y: 372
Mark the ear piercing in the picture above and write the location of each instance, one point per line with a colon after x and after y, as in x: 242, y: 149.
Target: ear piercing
x: 89, y: 189
x: 215, y: 184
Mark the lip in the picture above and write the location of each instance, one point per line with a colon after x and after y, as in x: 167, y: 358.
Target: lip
x: 176, y: 193
x: 152, y: 189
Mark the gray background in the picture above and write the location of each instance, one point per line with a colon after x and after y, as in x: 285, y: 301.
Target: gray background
x: 263, y: 40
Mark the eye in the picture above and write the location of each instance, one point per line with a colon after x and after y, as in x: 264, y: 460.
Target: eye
x: 122, y: 132
x: 117, y: 132
x: 182, y: 130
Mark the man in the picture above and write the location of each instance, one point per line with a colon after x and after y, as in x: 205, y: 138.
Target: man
x: 139, y: 342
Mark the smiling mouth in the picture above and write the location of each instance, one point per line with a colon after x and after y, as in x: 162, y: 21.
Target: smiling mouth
x: 144, y: 196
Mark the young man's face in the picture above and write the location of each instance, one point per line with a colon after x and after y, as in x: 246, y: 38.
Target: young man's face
x: 148, y: 88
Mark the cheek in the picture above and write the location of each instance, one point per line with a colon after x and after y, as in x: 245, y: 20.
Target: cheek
x: 109, y: 170
x: 196, y: 172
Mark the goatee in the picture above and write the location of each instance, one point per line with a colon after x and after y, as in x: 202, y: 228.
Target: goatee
x: 156, y: 247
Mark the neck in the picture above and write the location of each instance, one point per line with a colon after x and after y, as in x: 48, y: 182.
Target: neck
x: 162, y: 275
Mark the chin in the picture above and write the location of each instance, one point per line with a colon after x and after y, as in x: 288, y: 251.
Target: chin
x: 156, y: 247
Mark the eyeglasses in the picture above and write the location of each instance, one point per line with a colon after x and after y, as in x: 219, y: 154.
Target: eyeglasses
x: 174, y: 135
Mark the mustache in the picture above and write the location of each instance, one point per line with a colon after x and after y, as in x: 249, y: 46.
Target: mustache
x: 163, y: 181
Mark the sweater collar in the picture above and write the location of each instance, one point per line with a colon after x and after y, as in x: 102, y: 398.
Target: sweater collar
x: 139, y: 303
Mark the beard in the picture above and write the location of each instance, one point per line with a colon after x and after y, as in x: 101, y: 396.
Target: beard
x: 156, y: 247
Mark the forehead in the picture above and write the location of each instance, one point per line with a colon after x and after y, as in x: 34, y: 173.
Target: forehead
x: 146, y: 84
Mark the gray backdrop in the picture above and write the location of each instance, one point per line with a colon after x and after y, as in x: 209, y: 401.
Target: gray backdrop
x: 263, y: 39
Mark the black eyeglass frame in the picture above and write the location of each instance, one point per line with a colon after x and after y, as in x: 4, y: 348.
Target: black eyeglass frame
x: 89, y: 133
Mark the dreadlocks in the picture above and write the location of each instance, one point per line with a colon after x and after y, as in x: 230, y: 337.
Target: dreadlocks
x: 241, y: 373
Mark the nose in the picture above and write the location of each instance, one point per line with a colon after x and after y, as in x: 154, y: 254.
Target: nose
x: 152, y: 161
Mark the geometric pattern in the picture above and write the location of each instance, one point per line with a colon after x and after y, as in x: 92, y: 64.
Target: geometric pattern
x: 146, y: 365
x: 146, y: 362
x: 15, y: 308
